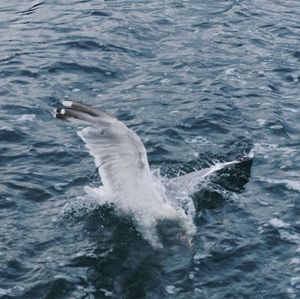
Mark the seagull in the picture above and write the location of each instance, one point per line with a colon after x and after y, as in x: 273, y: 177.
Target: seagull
x: 128, y: 183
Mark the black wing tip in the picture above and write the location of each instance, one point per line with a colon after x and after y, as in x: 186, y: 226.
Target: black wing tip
x: 83, y: 108
x: 74, y: 110
x: 60, y: 113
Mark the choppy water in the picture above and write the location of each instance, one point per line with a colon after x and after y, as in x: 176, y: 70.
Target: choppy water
x: 199, y: 81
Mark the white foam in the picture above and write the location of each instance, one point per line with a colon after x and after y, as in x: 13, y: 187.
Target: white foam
x: 276, y: 127
x: 261, y: 121
x: 200, y: 256
x: 198, y: 139
x: 3, y: 292
x: 196, y: 155
x: 276, y: 222
x: 171, y: 290
x: 295, y: 260
x: 290, y: 184
x: 5, y: 128
x: 263, y: 148
x: 17, y: 290
x: 230, y: 71
x: 294, y: 238
x: 295, y: 280
x: 107, y: 293
x: 148, y: 212
x: 290, y: 291
x: 293, y: 185
x: 262, y: 202
x: 26, y: 117
x: 191, y: 276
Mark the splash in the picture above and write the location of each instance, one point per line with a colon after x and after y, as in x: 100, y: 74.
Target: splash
x: 156, y: 216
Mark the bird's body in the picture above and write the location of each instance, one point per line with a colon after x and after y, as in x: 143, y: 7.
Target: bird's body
x: 128, y: 182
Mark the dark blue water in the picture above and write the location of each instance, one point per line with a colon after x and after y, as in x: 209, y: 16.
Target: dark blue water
x: 199, y: 81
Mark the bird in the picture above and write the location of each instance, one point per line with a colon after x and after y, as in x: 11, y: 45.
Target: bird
x: 128, y: 183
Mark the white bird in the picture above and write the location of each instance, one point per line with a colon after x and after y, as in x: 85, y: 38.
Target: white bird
x: 127, y: 180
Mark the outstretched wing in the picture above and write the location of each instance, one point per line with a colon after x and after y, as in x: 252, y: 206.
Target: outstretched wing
x: 190, y: 182
x: 118, y: 152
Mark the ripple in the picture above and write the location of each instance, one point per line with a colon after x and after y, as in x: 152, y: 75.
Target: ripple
x: 199, y: 81
x: 64, y: 67
x: 30, y: 191
x: 7, y: 203
x: 100, y: 13
x: 11, y: 135
x: 289, y: 184
x: 232, y: 117
x: 92, y: 45
x: 296, y: 54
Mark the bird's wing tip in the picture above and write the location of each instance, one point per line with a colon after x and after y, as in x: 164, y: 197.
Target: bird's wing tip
x: 59, y: 113
x: 67, y: 104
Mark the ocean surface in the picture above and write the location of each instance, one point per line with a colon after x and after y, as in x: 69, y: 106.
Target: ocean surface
x: 199, y: 82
